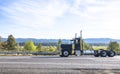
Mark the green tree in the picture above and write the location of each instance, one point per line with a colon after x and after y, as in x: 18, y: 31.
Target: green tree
x: 59, y: 44
x: 59, y: 41
x: 52, y: 48
x: 86, y: 46
x: 1, y: 43
x: 4, y: 45
x: 113, y: 46
x: 11, y: 43
x: 39, y: 47
x: 18, y: 47
x: 29, y: 46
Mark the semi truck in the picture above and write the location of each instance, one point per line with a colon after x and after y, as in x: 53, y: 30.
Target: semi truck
x: 76, y: 48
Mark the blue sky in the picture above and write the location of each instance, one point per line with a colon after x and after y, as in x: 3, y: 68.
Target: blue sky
x: 60, y: 18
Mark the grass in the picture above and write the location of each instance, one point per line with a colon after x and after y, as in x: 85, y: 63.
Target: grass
x: 99, y: 47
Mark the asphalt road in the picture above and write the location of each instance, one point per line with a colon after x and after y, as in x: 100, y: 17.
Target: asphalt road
x: 38, y: 64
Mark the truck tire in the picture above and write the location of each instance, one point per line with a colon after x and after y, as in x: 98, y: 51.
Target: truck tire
x: 103, y: 53
x: 96, y: 54
x: 78, y: 53
x: 65, y: 53
x: 111, y: 53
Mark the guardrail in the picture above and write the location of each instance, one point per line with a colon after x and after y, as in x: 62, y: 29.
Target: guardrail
x: 118, y: 53
x: 33, y: 53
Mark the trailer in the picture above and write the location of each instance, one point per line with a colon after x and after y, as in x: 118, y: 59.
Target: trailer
x: 76, y: 48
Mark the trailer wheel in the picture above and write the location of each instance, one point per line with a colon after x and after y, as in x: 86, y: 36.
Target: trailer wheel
x: 65, y: 53
x: 103, y: 53
x: 111, y: 53
x: 78, y: 53
x: 96, y: 54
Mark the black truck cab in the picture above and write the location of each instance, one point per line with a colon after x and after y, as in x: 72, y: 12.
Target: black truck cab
x: 74, y: 48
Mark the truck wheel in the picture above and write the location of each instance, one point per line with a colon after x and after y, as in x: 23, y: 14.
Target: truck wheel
x: 78, y: 53
x: 103, y: 53
x: 96, y: 54
x: 111, y: 53
x: 65, y: 53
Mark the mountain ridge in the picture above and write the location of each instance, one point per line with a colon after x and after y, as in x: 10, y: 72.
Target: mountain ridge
x: 87, y: 40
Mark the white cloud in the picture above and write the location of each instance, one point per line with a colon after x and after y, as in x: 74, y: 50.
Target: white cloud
x: 101, y: 16
x: 34, y: 13
x: 97, y: 18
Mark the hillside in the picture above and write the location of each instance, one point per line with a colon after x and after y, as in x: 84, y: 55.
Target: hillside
x: 88, y: 40
x: 100, y: 40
